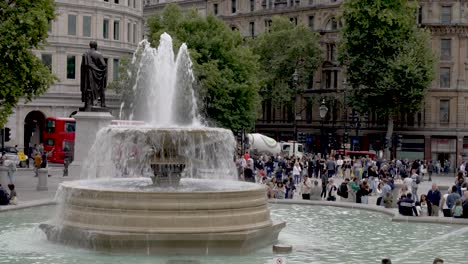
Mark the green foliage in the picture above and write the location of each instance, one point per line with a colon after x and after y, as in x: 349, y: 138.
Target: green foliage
x: 23, y: 27
x: 225, y: 69
x: 389, y: 61
x: 283, y: 50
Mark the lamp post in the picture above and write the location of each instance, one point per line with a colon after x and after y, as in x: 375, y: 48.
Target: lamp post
x: 323, y: 112
x: 295, y: 78
x: 345, y: 109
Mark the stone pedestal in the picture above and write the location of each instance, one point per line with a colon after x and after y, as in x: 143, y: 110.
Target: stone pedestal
x: 87, y: 126
x: 396, y: 192
x: 43, y: 174
x: 4, y: 181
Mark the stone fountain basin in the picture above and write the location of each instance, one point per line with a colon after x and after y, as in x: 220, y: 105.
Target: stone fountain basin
x: 131, y: 213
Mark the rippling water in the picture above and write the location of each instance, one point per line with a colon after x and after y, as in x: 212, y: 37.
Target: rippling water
x: 318, y: 235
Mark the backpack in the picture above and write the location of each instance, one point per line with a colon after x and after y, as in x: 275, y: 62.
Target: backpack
x: 418, y: 179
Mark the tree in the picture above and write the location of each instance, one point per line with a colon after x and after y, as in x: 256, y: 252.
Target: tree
x: 23, y: 27
x: 389, y: 61
x: 283, y: 50
x: 225, y: 69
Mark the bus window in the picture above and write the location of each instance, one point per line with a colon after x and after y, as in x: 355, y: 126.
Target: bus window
x: 70, y: 126
x: 49, y: 142
x: 50, y: 126
x: 286, y: 147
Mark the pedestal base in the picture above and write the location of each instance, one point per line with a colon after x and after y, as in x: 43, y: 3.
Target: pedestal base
x: 87, y: 126
x: 240, y: 242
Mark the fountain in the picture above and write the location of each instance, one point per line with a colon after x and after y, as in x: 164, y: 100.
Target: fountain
x: 165, y: 185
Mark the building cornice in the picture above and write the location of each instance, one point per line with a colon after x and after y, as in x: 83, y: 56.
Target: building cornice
x: 97, y: 6
x: 279, y: 11
x: 447, y: 29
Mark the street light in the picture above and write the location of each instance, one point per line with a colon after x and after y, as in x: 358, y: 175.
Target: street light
x: 323, y: 112
x: 295, y: 78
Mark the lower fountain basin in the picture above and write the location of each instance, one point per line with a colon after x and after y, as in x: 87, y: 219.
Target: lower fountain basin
x: 195, y: 217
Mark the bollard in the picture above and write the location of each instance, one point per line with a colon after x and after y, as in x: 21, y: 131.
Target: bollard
x: 396, y: 192
x: 42, y: 180
x: 4, y: 181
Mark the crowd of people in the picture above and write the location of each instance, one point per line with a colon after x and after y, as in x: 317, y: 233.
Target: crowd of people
x: 313, y: 177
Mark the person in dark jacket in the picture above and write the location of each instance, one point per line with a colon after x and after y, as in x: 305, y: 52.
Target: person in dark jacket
x: 465, y: 205
x: 4, y: 197
x: 433, y: 197
x: 407, y: 206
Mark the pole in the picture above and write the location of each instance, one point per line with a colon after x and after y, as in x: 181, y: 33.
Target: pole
x: 3, y: 138
x: 295, y: 126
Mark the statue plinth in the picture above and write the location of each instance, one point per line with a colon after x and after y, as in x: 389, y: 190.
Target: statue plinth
x: 87, y: 126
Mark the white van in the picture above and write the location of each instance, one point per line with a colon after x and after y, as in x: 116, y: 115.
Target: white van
x: 292, y: 148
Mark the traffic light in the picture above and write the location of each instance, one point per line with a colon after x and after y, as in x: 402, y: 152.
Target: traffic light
x: 386, y: 143
x: 330, y: 139
x: 240, y: 136
x: 353, y: 117
x: 366, y: 117
x: 7, y: 132
x: 302, y: 137
x: 399, y: 141
x: 346, y: 138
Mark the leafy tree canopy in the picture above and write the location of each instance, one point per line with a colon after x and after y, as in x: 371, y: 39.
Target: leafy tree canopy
x: 23, y: 27
x: 284, y: 49
x: 225, y: 69
x: 389, y: 61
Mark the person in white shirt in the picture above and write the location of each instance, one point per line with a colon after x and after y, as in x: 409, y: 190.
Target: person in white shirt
x: 297, y: 172
x: 339, y: 164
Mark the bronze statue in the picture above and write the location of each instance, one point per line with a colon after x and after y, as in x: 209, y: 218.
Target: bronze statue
x: 93, y: 78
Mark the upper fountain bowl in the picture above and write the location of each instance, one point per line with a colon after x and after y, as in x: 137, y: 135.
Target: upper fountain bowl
x: 164, y: 154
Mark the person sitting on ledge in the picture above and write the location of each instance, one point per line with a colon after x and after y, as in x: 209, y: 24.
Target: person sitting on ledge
x: 4, y: 198
x: 407, y: 207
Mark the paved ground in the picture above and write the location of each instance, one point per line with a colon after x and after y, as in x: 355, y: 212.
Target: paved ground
x: 28, y: 195
x: 26, y: 183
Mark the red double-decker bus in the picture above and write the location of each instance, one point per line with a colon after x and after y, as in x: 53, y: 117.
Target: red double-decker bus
x: 59, y: 138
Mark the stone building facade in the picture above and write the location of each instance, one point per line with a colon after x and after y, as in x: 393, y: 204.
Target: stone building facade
x: 437, y: 132
x: 116, y: 25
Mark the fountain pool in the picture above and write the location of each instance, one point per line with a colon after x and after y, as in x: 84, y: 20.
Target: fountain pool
x: 318, y: 234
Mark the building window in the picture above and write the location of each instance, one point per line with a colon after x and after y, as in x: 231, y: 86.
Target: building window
x: 134, y: 33
x: 328, y: 78
x: 70, y: 67
x: 105, y: 29
x: 335, y: 79
x: 420, y: 14
x: 252, y: 29
x: 129, y: 32
x: 331, y: 52
x: 47, y: 60
x: 72, y: 25
x: 106, y: 0
x: 252, y: 5
x: 115, y: 68
x: 116, y: 30
x: 215, y: 9
x: 444, y: 111
x: 268, y: 25
x: 233, y: 6
x: 134, y: 3
x: 293, y: 20
x: 116, y: 1
x: 334, y: 24
x: 49, y: 28
x: 311, y: 22
x: 446, y: 15
x: 445, y: 77
x: 445, y: 49
x: 86, y: 26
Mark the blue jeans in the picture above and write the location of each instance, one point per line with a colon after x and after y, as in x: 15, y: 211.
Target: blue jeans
x: 296, y: 179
